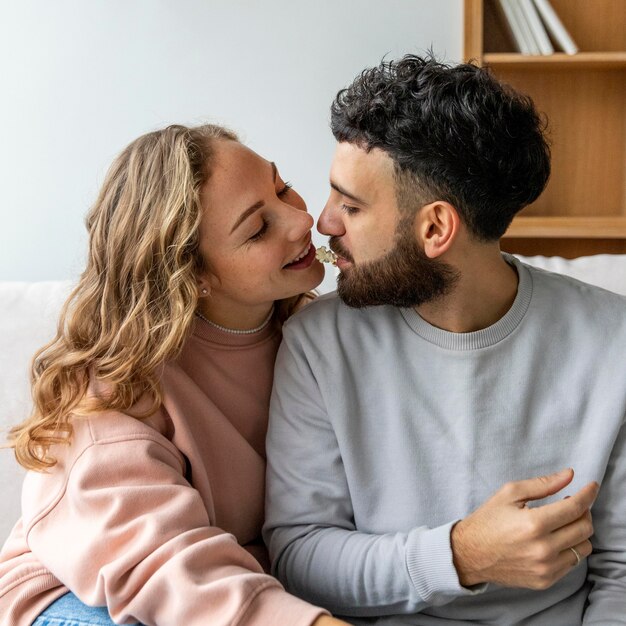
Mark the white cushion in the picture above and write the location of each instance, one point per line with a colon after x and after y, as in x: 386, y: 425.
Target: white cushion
x: 28, y: 318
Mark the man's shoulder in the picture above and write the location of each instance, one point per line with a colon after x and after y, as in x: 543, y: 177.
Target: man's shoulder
x: 561, y: 285
x: 328, y: 308
x: 570, y: 297
x: 323, y: 308
x: 603, y: 270
x: 327, y: 318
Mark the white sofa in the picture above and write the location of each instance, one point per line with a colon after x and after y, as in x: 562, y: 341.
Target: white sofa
x: 28, y: 315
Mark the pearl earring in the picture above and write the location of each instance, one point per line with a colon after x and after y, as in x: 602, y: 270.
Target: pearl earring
x: 204, y: 291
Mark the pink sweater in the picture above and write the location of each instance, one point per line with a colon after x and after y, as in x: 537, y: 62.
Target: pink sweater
x: 160, y: 519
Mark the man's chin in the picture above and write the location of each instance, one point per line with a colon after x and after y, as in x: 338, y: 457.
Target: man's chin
x: 351, y: 302
x: 353, y: 295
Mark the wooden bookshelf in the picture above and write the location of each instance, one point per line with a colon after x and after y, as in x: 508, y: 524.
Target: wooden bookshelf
x: 582, y: 60
x: 583, y: 209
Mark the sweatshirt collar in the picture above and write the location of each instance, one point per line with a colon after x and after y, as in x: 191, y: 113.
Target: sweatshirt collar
x: 486, y: 336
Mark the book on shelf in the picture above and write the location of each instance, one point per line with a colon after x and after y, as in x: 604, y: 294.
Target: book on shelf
x: 511, y: 20
x: 555, y: 27
x: 536, y: 26
x: 530, y: 21
x: 523, y: 22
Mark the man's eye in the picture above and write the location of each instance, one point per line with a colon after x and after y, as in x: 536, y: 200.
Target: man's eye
x: 259, y: 234
x: 349, y: 210
x: 285, y: 189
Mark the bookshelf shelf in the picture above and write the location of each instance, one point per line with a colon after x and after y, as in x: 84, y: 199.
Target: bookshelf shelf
x: 583, y: 209
x: 581, y: 60
x: 568, y: 227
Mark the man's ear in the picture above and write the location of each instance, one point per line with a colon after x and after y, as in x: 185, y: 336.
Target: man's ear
x: 436, y: 227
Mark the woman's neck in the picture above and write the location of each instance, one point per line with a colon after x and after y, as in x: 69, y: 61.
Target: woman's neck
x: 234, y: 316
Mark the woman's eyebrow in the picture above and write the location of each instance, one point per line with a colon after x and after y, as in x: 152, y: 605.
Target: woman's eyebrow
x: 256, y: 206
x: 247, y: 213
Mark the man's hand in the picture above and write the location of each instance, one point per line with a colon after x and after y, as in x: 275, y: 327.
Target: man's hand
x: 507, y: 543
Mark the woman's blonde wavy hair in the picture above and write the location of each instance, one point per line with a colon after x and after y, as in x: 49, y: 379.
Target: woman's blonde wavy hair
x: 133, y: 307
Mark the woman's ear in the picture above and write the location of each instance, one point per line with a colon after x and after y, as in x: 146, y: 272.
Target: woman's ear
x: 203, y: 290
x: 436, y: 227
x: 205, y: 283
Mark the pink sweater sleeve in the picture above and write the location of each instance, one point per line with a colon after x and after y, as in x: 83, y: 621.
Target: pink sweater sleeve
x: 125, y: 529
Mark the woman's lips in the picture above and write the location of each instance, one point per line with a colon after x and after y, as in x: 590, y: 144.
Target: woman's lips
x: 304, y: 262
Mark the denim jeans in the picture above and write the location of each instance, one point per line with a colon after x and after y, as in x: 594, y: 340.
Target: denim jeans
x: 68, y: 610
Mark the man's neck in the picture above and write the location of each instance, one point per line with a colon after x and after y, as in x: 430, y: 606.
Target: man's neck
x: 483, y: 294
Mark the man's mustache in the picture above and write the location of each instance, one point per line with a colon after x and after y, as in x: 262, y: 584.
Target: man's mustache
x: 334, y: 243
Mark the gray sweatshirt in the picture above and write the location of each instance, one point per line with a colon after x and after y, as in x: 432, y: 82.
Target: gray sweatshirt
x: 384, y: 431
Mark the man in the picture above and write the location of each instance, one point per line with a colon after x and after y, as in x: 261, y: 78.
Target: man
x: 411, y: 412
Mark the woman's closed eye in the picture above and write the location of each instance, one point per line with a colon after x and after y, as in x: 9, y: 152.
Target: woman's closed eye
x: 259, y: 234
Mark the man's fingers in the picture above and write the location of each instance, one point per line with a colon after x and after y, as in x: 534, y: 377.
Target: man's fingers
x: 565, y: 562
x: 549, y: 571
x: 523, y: 491
x: 572, y: 534
x: 559, y: 514
x: 567, y: 558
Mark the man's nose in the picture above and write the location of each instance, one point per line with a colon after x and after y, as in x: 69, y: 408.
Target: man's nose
x: 330, y: 222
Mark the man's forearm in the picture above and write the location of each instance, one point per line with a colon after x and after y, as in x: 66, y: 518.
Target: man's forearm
x: 360, y: 574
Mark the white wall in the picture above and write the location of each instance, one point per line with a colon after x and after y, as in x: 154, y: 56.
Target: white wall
x: 82, y: 79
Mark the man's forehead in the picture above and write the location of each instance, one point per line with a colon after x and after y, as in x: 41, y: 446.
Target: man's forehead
x: 369, y: 171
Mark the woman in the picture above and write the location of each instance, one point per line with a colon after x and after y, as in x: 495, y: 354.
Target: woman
x: 146, y: 444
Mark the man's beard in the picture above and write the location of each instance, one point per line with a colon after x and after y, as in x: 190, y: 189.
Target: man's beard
x: 405, y: 277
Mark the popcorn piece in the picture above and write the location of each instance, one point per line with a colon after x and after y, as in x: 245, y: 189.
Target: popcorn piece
x: 326, y: 256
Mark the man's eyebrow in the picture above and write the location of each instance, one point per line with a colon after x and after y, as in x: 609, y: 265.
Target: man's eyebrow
x: 255, y: 207
x: 343, y: 192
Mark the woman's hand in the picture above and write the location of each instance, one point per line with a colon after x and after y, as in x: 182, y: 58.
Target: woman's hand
x: 327, y: 620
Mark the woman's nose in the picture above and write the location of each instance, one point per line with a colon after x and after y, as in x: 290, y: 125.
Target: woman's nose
x: 300, y: 223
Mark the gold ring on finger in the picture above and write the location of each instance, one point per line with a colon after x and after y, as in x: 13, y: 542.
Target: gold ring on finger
x: 577, y: 555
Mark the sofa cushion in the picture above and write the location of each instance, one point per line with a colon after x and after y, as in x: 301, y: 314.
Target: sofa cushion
x: 28, y: 318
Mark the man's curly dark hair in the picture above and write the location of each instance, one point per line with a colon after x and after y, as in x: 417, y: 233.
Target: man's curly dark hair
x: 454, y: 133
